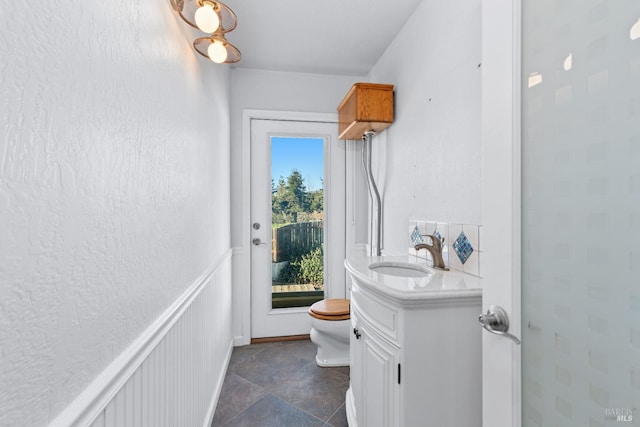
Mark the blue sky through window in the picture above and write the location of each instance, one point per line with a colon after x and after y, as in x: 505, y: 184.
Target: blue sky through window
x: 304, y: 154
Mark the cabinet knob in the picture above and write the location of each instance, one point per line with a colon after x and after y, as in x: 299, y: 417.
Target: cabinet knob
x: 357, y: 333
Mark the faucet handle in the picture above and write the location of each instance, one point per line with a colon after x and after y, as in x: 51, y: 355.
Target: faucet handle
x: 436, y: 241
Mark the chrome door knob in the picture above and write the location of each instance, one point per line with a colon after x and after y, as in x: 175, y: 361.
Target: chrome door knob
x: 256, y: 241
x: 496, y: 321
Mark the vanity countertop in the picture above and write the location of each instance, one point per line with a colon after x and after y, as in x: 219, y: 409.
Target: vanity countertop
x: 435, y: 284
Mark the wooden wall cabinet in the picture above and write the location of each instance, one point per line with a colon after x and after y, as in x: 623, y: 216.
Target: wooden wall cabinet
x: 367, y: 106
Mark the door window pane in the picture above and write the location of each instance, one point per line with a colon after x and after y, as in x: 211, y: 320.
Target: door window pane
x: 297, y: 216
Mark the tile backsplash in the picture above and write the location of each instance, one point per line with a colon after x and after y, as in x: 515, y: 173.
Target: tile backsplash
x: 461, y: 243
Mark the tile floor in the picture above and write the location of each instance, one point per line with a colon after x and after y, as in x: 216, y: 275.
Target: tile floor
x: 279, y: 384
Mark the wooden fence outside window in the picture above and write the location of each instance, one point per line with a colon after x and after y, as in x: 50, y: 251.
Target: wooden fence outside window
x: 292, y: 240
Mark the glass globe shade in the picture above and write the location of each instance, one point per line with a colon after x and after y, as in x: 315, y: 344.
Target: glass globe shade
x: 217, y: 52
x: 568, y: 62
x: 207, y: 19
x: 634, y: 33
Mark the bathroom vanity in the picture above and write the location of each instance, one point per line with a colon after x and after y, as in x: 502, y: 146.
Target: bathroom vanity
x: 415, y: 349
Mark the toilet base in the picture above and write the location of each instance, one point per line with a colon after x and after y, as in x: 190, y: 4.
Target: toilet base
x: 332, y: 341
x: 323, y: 363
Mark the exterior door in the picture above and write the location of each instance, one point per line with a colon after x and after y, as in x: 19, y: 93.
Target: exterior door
x: 297, y: 223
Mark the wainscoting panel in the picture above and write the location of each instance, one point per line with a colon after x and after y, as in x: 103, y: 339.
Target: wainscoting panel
x: 172, y: 375
x: 180, y: 380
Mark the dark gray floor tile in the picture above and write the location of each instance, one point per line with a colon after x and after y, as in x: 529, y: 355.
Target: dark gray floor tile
x: 308, y: 370
x: 242, y: 353
x: 344, y: 370
x: 270, y: 411
x: 279, y: 384
x: 339, y: 418
x: 237, y: 395
x: 318, y: 391
x: 270, y: 366
x: 304, y: 349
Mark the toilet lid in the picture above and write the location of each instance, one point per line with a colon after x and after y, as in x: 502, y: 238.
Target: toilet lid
x: 329, y: 308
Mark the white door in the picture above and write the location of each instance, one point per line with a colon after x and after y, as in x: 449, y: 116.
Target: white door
x: 577, y: 164
x: 285, y: 237
x: 501, y: 207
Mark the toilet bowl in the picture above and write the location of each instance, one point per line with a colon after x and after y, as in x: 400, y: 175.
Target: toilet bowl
x: 330, y: 326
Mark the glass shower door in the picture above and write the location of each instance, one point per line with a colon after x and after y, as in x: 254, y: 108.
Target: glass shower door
x: 581, y: 213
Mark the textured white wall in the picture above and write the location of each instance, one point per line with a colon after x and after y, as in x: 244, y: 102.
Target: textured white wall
x: 428, y: 163
x: 114, y: 188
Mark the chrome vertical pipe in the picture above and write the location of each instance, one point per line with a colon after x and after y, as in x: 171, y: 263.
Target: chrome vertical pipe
x: 373, y: 192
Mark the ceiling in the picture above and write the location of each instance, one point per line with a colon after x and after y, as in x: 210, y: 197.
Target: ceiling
x: 343, y: 37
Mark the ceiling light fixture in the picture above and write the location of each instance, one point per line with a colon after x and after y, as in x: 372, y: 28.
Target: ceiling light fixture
x: 215, y: 18
x: 208, y: 16
x: 217, y: 49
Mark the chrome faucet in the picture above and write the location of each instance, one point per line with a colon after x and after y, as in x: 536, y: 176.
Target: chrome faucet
x: 435, y: 249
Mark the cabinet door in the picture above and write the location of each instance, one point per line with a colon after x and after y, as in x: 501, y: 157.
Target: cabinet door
x: 379, y: 382
x: 356, y: 366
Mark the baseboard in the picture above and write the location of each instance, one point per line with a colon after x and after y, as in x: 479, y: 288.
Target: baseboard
x: 94, y: 402
x: 304, y: 337
x: 241, y: 340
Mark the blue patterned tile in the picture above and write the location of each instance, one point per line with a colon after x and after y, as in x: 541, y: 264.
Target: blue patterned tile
x: 416, y: 236
x: 463, y: 247
x: 438, y: 235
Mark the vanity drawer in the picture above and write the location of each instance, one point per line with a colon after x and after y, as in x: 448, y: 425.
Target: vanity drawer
x: 381, y: 316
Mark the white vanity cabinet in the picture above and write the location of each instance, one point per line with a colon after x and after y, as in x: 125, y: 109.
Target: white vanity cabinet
x: 415, y: 361
x: 374, y: 381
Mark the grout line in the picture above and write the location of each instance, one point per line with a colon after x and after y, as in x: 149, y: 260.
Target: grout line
x: 247, y: 408
x: 245, y: 358
x: 302, y: 410
x: 331, y: 416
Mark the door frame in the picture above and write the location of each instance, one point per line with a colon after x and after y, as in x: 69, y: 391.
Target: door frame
x: 243, y: 267
x: 501, y: 207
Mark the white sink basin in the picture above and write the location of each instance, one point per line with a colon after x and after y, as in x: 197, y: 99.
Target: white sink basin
x: 400, y: 269
x: 406, y: 278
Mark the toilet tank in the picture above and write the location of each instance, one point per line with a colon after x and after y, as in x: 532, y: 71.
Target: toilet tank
x: 367, y: 106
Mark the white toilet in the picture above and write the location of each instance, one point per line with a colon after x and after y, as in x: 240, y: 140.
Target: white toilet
x: 330, y: 326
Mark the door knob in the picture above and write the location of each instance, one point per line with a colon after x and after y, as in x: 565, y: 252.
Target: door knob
x: 256, y: 241
x: 496, y: 321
